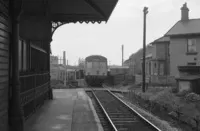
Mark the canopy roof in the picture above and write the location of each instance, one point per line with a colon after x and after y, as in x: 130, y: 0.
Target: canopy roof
x: 70, y: 10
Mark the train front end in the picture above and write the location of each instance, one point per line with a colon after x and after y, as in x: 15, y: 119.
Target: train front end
x: 95, y: 70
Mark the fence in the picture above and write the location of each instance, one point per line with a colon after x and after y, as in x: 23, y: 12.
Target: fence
x: 138, y: 79
x: 34, y: 90
x: 154, y: 79
x: 119, y: 79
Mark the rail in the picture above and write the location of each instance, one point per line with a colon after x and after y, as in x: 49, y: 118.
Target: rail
x: 107, y: 116
x: 120, y: 114
x: 143, y: 118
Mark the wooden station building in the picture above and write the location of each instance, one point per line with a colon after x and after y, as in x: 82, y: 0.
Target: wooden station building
x: 26, y: 28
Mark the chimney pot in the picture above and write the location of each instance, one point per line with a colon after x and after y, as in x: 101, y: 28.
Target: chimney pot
x: 184, y: 12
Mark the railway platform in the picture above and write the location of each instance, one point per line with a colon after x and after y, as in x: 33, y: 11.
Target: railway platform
x: 70, y: 110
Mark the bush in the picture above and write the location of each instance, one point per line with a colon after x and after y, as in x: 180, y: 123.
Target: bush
x: 174, y: 90
x: 192, y: 97
x: 183, y: 93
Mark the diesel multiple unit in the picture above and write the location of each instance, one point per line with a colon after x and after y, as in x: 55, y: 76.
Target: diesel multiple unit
x: 95, y: 70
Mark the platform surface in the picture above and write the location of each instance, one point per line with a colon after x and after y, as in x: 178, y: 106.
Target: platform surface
x: 71, y: 110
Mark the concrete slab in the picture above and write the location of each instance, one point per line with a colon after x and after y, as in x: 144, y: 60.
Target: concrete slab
x: 71, y: 110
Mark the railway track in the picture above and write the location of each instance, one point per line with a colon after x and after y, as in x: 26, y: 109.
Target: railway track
x: 115, y: 115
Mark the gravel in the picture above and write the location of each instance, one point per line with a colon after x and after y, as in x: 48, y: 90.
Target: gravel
x: 161, y: 124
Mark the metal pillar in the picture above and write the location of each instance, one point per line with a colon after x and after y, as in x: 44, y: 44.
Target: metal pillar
x: 16, y: 115
x: 75, y: 75
x: 65, y: 77
x: 144, y: 50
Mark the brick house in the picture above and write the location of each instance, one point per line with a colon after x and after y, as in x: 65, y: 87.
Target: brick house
x: 135, y: 60
x: 184, y: 48
x: 159, y: 63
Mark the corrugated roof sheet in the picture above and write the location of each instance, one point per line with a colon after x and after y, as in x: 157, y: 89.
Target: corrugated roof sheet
x: 191, y: 26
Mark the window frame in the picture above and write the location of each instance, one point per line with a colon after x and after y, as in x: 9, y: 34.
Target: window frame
x: 190, y: 52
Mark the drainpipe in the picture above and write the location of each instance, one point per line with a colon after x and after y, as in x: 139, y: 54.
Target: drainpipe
x: 50, y: 89
x: 16, y: 115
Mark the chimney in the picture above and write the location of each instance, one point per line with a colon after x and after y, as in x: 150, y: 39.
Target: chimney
x: 64, y: 58
x: 184, y: 12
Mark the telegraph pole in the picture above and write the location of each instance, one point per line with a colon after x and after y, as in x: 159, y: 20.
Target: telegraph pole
x: 122, y: 55
x: 64, y: 63
x: 67, y: 73
x: 144, y: 49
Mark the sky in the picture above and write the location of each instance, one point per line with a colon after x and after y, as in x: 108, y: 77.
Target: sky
x: 125, y: 26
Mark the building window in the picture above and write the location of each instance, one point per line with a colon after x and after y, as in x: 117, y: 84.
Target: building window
x: 149, y: 68
x: 23, y: 55
x: 191, y: 63
x: 191, y: 46
x: 20, y: 55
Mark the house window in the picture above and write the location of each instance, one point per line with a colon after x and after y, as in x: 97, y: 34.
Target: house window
x: 161, y: 69
x: 149, y: 68
x: 191, y: 46
x: 155, y: 69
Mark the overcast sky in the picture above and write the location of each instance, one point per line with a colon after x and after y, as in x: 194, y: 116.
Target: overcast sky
x: 125, y: 26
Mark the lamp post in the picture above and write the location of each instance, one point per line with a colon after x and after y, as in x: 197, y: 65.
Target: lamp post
x: 145, y: 11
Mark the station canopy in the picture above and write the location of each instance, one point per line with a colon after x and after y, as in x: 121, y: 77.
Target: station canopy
x: 70, y: 10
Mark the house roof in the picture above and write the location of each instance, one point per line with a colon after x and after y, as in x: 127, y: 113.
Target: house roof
x: 126, y: 61
x: 161, y: 40
x: 147, y: 56
x: 191, y: 26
